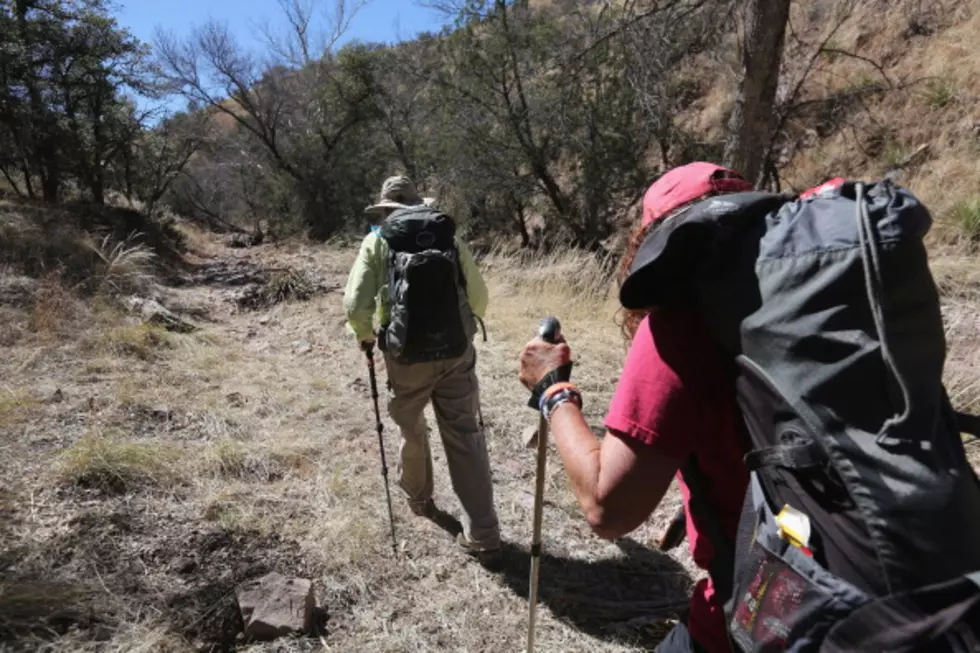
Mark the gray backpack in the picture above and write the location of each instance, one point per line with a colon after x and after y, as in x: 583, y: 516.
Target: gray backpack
x: 430, y: 315
x: 861, y: 527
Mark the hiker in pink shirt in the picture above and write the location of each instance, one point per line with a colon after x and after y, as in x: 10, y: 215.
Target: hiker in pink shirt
x: 674, y: 403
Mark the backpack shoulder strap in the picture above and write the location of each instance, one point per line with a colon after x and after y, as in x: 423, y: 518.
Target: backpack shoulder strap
x: 969, y: 423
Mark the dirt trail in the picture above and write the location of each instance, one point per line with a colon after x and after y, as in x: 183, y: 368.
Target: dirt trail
x: 145, y: 474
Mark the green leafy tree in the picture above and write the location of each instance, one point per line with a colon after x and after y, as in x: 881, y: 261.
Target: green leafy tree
x: 68, y: 72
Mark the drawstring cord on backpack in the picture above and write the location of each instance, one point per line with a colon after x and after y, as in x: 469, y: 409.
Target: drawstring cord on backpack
x: 873, y: 283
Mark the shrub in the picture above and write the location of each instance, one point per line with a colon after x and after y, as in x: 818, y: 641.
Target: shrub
x: 965, y: 216
x: 940, y: 94
x: 124, y: 267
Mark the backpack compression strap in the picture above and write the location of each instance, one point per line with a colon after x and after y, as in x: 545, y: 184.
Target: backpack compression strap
x: 940, y: 617
x: 795, y: 456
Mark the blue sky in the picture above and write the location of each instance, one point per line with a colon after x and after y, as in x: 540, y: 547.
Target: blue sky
x: 382, y: 21
x: 379, y: 21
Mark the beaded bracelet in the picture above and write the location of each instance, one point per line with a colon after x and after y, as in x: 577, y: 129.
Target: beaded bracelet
x: 552, y: 400
x: 554, y: 389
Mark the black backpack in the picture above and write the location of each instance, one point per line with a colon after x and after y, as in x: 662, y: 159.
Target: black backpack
x: 861, y: 526
x: 430, y: 317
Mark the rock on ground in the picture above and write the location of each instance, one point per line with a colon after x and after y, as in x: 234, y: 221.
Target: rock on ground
x: 17, y: 291
x: 153, y: 312
x: 275, y: 606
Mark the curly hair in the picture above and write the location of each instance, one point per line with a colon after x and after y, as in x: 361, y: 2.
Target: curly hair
x: 629, y: 319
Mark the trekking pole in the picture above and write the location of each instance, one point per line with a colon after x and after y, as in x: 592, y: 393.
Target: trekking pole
x: 369, y: 352
x: 675, y: 532
x: 479, y: 408
x: 549, y: 331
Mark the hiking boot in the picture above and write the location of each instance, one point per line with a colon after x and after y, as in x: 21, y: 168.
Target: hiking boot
x: 425, y: 508
x: 470, y: 546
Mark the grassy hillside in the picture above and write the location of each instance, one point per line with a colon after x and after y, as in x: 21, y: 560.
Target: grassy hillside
x: 897, y: 89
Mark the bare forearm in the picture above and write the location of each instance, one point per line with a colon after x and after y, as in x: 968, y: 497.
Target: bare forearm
x: 580, y: 451
x: 617, y: 481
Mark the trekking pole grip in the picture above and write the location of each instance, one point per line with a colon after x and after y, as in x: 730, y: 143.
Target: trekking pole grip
x: 549, y: 329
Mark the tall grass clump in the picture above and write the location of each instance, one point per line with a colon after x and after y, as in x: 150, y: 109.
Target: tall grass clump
x: 123, y: 267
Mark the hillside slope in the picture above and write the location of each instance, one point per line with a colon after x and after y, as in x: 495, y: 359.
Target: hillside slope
x: 897, y: 88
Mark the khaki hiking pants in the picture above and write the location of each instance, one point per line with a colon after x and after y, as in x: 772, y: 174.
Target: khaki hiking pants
x: 452, y: 387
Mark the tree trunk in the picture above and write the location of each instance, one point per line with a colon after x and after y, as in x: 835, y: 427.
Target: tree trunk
x: 99, y: 146
x: 752, y: 116
x: 11, y: 181
x: 26, y: 171
x: 40, y: 145
x: 97, y: 186
x: 50, y: 179
x: 520, y: 219
x: 128, y: 179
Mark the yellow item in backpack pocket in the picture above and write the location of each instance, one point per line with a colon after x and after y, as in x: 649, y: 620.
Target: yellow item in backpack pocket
x: 794, y: 527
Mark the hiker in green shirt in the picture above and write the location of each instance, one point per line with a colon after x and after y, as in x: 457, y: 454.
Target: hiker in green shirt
x: 413, y: 264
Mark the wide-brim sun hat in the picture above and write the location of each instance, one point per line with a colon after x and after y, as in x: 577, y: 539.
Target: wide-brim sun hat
x: 654, y: 262
x: 385, y: 204
x: 397, y: 192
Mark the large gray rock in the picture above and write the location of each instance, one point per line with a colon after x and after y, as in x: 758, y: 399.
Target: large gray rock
x: 275, y: 606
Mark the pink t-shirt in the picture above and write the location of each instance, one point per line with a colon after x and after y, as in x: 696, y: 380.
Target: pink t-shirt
x: 677, y: 394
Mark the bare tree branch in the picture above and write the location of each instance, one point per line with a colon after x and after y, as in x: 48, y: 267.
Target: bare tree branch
x: 868, y: 60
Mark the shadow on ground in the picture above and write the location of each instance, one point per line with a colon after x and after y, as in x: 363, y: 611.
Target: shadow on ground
x: 113, y: 562
x: 628, y: 599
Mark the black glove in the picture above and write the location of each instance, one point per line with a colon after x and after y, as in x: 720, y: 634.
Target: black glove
x: 558, y: 375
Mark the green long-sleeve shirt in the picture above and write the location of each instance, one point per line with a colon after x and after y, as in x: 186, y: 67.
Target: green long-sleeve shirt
x: 367, y: 286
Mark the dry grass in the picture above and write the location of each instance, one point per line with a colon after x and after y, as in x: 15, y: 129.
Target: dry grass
x: 143, y: 341
x: 54, y: 310
x: 965, y: 216
x: 927, y: 51
x: 572, y: 285
x: 16, y: 407
x: 195, y: 462
x: 282, y: 285
x: 37, y: 239
x: 958, y: 278
x: 124, y: 267
x: 36, y: 607
x: 239, y: 453
x: 111, y: 463
x: 196, y: 239
x: 231, y: 459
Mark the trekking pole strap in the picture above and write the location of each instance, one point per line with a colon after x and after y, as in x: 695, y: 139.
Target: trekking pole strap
x: 483, y: 326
